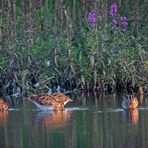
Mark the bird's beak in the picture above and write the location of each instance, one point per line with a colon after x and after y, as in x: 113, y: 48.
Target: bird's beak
x: 70, y: 99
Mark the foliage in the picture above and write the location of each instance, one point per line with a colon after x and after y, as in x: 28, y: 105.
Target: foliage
x: 60, y: 32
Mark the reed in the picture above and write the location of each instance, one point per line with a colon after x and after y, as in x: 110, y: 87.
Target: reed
x: 33, y: 33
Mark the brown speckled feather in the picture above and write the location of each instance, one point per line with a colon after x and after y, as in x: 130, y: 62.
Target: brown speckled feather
x: 3, y: 105
x: 57, y: 100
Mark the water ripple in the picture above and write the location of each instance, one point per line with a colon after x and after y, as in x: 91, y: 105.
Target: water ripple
x: 13, y: 109
x: 143, y: 108
x: 107, y: 110
x: 75, y: 108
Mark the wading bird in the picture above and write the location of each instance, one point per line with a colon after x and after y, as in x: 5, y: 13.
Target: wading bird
x: 3, y: 105
x: 54, y: 101
x: 130, y: 102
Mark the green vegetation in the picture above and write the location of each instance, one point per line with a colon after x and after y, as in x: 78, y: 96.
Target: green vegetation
x: 33, y: 32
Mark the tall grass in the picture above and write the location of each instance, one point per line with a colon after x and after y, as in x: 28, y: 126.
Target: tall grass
x: 38, y: 31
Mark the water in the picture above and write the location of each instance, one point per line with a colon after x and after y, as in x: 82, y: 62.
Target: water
x: 90, y: 121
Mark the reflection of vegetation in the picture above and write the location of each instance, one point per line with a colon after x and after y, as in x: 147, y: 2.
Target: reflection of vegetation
x: 34, y: 32
x: 104, y: 126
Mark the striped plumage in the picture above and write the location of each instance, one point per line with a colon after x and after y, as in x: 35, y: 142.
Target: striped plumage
x: 54, y: 101
x: 130, y: 102
x: 3, y: 105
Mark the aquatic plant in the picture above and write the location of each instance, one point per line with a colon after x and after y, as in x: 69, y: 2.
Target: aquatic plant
x: 113, y: 10
x: 114, y: 23
x: 116, y: 18
x: 124, y: 23
x: 80, y: 38
x: 92, y: 18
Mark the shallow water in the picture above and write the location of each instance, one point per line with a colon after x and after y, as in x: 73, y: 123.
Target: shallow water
x: 90, y: 121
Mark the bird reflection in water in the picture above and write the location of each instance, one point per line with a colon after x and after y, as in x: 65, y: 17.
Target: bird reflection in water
x: 131, y: 116
x: 3, y: 117
x: 134, y: 116
x: 52, y: 119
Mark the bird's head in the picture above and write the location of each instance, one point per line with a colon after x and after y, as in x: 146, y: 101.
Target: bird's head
x: 67, y: 100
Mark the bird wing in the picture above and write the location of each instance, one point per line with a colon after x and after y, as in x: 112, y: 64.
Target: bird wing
x: 47, y: 100
x: 59, y: 97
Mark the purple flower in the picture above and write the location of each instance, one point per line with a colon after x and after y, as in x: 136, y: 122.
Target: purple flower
x: 114, y: 23
x: 123, y: 18
x: 113, y: 9
x: 115, y: 20
x: 92, y: 18
x: 124, y: 23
